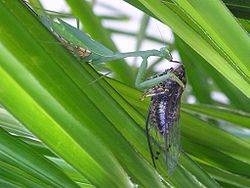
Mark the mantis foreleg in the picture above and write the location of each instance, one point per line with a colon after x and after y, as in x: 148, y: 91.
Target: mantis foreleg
x: 141, y: 84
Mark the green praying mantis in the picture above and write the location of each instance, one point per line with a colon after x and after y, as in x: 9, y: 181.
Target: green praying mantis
x: 90, y: 50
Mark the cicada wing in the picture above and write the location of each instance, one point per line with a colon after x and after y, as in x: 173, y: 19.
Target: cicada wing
x: 173, y: 142
x: 156, y: 142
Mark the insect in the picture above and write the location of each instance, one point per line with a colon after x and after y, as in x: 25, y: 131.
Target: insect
x: 162, y: 124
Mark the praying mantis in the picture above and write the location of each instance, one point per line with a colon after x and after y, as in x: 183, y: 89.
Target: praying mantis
x: 165, y: 89
x: 94, y: 52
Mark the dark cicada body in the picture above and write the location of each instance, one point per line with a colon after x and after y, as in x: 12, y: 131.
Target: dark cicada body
x: 162, y: 125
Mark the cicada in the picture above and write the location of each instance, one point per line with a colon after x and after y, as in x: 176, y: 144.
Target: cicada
x: 163, y: 120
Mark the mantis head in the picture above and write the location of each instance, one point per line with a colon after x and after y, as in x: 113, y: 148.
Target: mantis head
x: 165, y: 53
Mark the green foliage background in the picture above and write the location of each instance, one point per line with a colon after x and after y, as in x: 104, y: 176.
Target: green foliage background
x: 58, y: 130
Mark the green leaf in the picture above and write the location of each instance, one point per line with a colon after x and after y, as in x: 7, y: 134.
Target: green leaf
x: 31, y: 162
x: 233, y: 116
x: 239, y: 8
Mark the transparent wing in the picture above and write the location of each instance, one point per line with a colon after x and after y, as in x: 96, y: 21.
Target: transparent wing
x: 165, y: 148
x: 156, y: 142
x: 173, y: 147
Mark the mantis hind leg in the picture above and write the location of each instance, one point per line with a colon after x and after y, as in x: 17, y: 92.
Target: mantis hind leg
x: 103, y: 75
